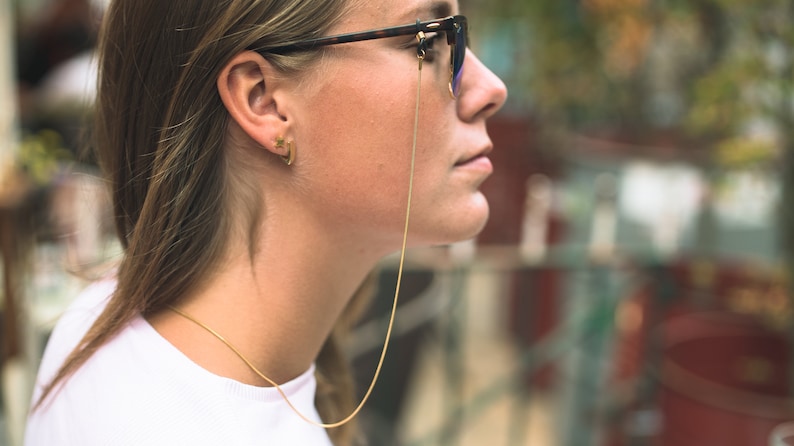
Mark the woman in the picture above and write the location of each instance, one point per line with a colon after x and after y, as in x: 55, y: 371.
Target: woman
x: 258, y: 175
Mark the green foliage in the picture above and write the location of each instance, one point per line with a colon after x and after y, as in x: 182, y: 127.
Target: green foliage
x: 722, y: 64
x: 42, y: 156
x: 742, y: 152
x: 717, y: 104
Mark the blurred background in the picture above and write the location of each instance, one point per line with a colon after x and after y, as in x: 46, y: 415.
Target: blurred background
x: 631, y: 288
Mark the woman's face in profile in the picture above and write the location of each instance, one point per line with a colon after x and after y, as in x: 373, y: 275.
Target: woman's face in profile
x: 356, y: 126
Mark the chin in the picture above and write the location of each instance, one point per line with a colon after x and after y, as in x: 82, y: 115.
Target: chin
x: 475, y: 230
x: 460, y: 226
x: 476, y: 218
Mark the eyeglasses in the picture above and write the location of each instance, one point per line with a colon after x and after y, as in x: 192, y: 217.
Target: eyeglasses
x: 455, y: 27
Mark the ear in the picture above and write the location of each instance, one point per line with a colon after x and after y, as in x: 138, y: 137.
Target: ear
x: 247, y: 86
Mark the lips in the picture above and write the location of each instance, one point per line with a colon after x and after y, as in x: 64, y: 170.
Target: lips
x: 473, y: 156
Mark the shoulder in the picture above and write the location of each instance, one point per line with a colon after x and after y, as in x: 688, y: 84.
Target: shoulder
x: 139, y: 389
x: 72, y: 326
x: 127, y: 392
x: 114, y: 401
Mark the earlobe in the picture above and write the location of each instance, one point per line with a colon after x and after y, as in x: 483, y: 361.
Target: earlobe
x: 246, y: 86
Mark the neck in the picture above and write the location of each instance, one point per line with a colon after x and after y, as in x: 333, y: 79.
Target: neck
x: 277, y: 310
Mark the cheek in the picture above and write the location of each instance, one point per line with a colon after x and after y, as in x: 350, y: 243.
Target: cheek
x: 359, y: 132
x: 366, y: 133
x: 359, y: 166
x: 366, y: 106
x: 363, y: 110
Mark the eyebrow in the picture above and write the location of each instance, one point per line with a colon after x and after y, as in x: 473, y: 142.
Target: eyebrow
x: 441, y: 9
x: 436, y: 9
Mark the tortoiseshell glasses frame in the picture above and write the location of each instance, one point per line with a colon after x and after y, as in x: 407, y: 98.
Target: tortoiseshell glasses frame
x: 455, y: 27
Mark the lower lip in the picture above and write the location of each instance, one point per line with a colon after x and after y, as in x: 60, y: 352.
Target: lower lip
x: 480, y: 163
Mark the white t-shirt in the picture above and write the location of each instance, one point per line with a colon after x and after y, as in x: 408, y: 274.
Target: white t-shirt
x: 138, y: 389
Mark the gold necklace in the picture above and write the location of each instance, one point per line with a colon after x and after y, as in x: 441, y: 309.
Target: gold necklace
x: 251, y: 366
x: 358, y: 408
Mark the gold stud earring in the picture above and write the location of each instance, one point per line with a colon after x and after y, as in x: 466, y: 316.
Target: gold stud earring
x: 290, y: 156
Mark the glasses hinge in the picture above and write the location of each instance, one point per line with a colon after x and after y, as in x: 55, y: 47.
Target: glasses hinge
x: 421, y: 49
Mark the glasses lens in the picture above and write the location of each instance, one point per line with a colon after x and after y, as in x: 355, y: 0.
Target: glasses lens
x: 458, y: 54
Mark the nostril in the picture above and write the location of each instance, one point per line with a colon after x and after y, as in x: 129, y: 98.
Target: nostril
x: 488, y: 110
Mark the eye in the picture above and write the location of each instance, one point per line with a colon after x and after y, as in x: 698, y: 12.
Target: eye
x: 431, y: 46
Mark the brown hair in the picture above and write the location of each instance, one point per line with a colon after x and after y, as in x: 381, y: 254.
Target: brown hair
x: 159, y: 135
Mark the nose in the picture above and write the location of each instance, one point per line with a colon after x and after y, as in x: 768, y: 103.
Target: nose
x: 482, y: 93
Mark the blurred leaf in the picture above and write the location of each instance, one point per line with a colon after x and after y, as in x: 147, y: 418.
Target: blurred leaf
x: 744, y: 152
x: 42, y: 155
